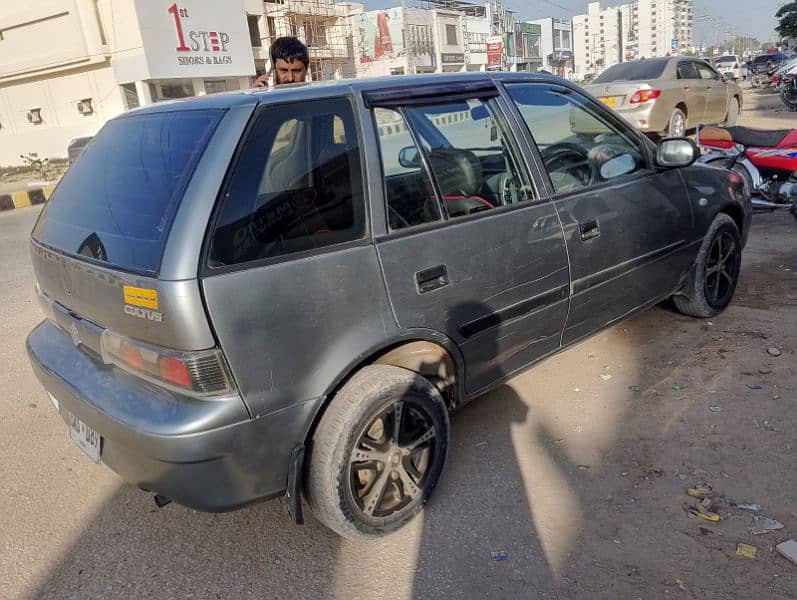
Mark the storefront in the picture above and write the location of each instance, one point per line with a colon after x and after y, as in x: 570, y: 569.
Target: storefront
x: 97, y: 62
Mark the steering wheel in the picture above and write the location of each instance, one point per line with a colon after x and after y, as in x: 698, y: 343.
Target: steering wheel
x: 570, y: 164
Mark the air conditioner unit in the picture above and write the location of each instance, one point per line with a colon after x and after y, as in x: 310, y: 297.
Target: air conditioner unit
x: 35, y: 116
x: 84, y: 107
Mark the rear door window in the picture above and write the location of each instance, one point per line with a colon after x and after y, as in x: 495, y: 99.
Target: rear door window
x: 117, y: 202
x: 686, y: 70
x: 641, y: 70
x: 297, y: 185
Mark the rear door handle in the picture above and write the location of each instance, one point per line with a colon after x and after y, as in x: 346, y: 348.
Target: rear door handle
x: 589, y: 229
x: 431, y: 279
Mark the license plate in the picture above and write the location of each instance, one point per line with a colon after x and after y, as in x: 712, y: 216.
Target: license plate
x: 84, y: 436
x: 611, y: 101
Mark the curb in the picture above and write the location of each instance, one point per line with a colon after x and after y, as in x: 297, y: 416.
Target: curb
x: 451, y: 118
x: 21, y: 199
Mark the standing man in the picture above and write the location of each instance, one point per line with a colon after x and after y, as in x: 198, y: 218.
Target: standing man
x: 289, y: 61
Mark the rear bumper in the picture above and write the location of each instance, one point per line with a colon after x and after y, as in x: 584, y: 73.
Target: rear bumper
x: 205, y: 454
x: 646, y: 117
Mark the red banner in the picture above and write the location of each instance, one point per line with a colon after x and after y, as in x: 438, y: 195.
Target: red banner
x: 495, y: 52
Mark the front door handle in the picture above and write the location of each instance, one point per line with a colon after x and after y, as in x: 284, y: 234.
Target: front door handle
x: 431, y: 279
x: 589, y: 229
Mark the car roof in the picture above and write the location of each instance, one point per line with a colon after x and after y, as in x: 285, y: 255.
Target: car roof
x: 323, y: 89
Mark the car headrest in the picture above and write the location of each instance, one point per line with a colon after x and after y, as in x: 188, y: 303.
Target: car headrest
x: 458, y: 172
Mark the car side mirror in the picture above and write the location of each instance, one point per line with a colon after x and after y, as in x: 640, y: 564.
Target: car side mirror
x: 677, y: 152
x: 410, y: 158
x: 727, y: 77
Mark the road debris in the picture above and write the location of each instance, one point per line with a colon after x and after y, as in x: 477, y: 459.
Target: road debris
x: 773, y: 351
x: 746, y: 550
x: 789, y: 550
x: 752, y: 386
x: 765, y: 370
x: 678, y: 387
x: 498, y: 555
x: 680, y: 584
x: 635, y: 388
x: 606, y: 377
x: 699, y: 511
x: 750, y: 507
x: 762, y: 525
x: 715, y: 409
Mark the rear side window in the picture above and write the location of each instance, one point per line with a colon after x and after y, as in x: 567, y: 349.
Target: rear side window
x: 632, y: 71
x: 117, y: 202
x: 686, y: 70
x: 297, y: 185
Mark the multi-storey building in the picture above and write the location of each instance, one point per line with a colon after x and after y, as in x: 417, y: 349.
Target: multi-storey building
x: 556, y: 43
x: 643, y: 28
x: 69, y: 65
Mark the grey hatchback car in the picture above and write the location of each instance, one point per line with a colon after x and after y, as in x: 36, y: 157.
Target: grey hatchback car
x: 286, y: 292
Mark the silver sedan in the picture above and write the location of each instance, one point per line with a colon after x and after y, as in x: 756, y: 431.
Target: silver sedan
x: 668, y: 95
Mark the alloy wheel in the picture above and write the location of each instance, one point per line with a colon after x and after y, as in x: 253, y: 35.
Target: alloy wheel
x: 721, y: 269
x: 392, y: 458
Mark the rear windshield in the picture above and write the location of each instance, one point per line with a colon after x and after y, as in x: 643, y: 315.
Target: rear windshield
x: 632, y: 71
x: 117, y: 202
x: 726, y: 59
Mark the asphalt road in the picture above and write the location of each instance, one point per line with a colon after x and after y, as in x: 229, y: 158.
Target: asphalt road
x: 577, y: 478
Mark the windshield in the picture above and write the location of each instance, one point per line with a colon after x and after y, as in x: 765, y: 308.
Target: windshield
x: 116, y: 203
x: 632, y: 71
x: 726, y: 59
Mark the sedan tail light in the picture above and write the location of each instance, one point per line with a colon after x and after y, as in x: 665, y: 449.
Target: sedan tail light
x: 641, y: 96
x: 201, y: 374
x: 736, y: 66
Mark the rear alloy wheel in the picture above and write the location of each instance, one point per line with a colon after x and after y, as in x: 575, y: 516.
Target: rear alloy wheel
x: 732, y: 116
x: 715, y: 274
x: 378, y: 452
x: 677, y: 126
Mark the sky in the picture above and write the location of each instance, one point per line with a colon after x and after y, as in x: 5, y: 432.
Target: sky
x: 754, y: 18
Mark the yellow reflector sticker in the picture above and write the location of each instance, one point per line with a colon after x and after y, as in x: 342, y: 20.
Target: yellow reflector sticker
x: 141, y: 297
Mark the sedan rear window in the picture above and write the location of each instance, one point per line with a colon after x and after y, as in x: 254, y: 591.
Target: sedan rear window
x: 632, y: 71
x: 726, y: 59
x: 117, y: 202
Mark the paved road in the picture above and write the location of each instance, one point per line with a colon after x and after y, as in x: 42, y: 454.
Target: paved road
x: 578, y: 479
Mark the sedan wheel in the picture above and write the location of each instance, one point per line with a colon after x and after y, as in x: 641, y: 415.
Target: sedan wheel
x: 732, y: 115
x: 715, y: 274
x: 677, y: 126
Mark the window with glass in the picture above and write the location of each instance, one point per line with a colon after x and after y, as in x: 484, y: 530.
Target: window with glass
x: 686, y: 70
x: 579, y: 146
x: 706, y: 72
x: 297, y: 185
x: 469, y: 156
x: 451, y: 35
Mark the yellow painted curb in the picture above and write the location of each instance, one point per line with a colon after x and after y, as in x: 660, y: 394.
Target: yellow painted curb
x: 48, y: 191
x: 21, y: 199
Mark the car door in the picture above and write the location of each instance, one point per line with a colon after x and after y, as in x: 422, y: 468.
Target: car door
x: 469, y: 249
x: 694, y: 91
x: 626, y: 224
x: 716, y: 94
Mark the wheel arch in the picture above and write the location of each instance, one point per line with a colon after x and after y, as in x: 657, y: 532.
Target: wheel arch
x: 426, y: 352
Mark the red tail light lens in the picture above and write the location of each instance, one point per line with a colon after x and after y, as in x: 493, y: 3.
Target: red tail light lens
x: 736, y: 66
x: 202, y: 374
x: 641, y: 96
x: 174, y: 371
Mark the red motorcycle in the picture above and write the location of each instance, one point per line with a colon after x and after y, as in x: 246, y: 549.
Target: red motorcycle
x: 766, y: 161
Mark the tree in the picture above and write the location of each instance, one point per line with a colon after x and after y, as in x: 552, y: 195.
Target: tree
x: 787, y: 15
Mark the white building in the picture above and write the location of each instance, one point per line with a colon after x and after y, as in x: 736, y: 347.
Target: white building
x: 601, y: 38
x: 643, y: 28
x: 556, y: 46
x: 69, y: 65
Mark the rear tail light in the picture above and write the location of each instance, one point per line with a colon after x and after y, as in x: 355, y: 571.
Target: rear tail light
x: 641, y: 96
x: 202, y: 374
x: 737, y: 186
x: 736, y: 66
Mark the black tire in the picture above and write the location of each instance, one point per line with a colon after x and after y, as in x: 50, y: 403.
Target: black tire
x: 347, y: 489
x: 711, y: 285
x: 676, y: 127
x: 732, y: 116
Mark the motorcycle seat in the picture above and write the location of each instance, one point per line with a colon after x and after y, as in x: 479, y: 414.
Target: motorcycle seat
x: 747, y: 136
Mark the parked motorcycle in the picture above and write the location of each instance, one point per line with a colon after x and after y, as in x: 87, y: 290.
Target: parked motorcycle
x: 766, y: 161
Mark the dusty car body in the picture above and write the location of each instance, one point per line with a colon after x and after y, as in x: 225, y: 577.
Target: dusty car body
x: 668, y: 95
x: 284, y: 292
